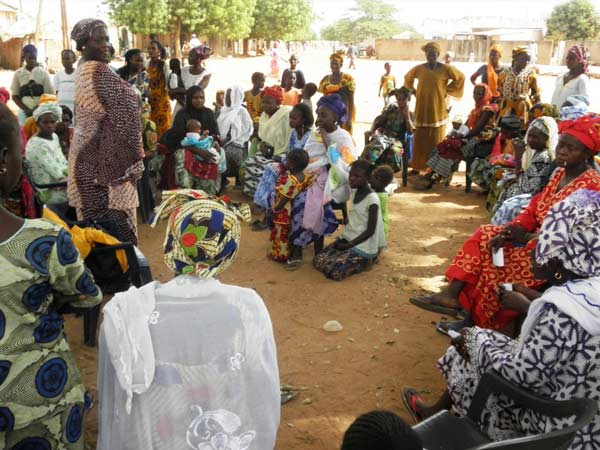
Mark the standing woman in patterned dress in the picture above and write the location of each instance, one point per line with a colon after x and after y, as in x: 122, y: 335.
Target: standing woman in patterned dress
x: 158, y: 74
x: 105, y: 159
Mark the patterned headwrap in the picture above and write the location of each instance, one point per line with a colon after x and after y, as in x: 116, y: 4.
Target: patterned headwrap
x: 543, y: 109
x: 582, y: 54
x: 275, y: 92
x: 586, y: 130
x: 30, y: 49
x: 82, y: 31
x: 46, y: 108
x: 518, y: 50
x: 4, y: 95
x: 431, y: 46
x: 203, y: 233
x: 203, y: 52
x: 569, y: 233
x: 574, y: 107
x: 334, y: 103
x: 337, y: 57
x: 497, y: 48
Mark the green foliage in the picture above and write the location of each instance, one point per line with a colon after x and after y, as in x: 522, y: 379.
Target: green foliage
x: 282, y: 19
x: 372, y: 19
x: 140, y: 16
x: 574, y: 20
x: 229, y: 19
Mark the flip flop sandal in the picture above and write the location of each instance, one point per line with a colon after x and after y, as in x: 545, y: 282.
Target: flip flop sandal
x: 287, y: 394
x: 455, y: 325
x: 259, y: 225
x: 421, y: 302
x: 410, y: 397
x: 294, y: 265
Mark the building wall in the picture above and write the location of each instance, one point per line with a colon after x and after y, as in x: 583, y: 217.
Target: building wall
x: 10, y: 53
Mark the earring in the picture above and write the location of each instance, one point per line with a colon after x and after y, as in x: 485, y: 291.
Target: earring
x: 3, y: 171
x: 558, y: 276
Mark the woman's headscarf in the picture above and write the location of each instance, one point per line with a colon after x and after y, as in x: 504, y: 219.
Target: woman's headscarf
x: 275, y: 92
x: 548, y: 126
x: 337, y: 57
x: 203, y: 52
x: 570, y: 233
x: 432, y: 46
x: 574, y: 107
x: 203, y: 233
x: 586, y: 130
x: 46, y: 108
x: 497, y: 48
x: 492, y: 76
x: 82, y: 31
x: 192, y: 90
x: 235, y: 119
x: 334, y: 103
x: 520, y: 49
x: 582, y: 55
x: 4, y: 95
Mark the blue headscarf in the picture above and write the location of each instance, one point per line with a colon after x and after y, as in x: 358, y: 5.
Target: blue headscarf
x: 334, y: 103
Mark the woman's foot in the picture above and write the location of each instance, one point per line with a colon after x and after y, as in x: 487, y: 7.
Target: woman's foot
x: 294, y: 264
x: 454, y: 325
x: 413, y: 403
x: 441, y: 303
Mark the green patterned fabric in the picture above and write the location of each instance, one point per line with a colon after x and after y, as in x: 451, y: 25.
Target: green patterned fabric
x: 41, y: 394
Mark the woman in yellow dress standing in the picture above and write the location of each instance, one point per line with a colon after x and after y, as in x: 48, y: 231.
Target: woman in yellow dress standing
x: 437, y: 81
x: 343, y: 84
x: 518, y: 87
x: 158, y: 74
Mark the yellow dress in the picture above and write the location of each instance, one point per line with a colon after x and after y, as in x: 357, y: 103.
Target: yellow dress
x: 518, y: 92
x: 254, y: 105
x: 327, y: 87
x: 431, y: 114
x: 159, y: 98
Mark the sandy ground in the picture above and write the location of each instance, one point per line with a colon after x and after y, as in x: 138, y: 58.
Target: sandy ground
x: 386, y: 343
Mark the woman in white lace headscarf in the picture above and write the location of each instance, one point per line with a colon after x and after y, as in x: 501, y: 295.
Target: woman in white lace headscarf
x: 236, y: 127
x: 190, y: 363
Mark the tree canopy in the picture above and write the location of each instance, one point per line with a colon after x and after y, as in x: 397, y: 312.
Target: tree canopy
x: 574, y: 20
x: 371, y: 19
x: 282, y: 19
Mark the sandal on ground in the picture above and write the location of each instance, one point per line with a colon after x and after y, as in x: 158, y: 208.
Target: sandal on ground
x: 410, y: 397
x: 294, y: 265
x: 455, y: 325
x: 428, y: 303
x: 259, y: 225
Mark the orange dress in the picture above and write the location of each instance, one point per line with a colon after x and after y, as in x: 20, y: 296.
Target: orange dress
x: 473, y: 264
x: 160, y: 105
x: 291, y: 97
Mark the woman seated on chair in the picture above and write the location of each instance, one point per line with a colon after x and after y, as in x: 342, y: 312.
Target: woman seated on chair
x: 388, y: 134
x: 481, y: 123
x: 557, y: 353
x: 474, y: 276
x: 47, y: 163
x: 41, y: 390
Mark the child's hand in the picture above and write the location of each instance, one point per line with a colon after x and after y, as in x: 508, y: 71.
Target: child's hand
x: 206, y: 133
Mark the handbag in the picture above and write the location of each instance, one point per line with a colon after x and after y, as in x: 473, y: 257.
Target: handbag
x: 31, y: 89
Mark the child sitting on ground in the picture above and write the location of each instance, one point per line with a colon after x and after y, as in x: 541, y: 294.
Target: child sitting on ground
x: 288, y: 186
x: 364, y: 237
x: 308, y: 91
x: 194, y: 138
x: 381, y: 177
x: 380, y: 430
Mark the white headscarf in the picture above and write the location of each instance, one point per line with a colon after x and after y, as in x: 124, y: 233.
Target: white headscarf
x: 548, y: 126
x: 235, y: 119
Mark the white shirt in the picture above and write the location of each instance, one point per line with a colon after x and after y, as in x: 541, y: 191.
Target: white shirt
x: 190, y: 79
x: 64, y: 84
x: 579, y: 85
x: 22, y: 76
x: 358, y: 219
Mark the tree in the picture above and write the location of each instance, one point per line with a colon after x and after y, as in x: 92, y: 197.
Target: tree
x: 371, y: 19
x: 575, y: 20
x: 281, y: 19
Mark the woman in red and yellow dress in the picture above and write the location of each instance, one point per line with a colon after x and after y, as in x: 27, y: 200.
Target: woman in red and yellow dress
x: 473, y: 278
x: 344, y: 85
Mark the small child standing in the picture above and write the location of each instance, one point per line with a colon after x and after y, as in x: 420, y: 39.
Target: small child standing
x: 175, y: 85
x: 308, y: 91
x: 64, y: 80
x: 253, y: 98
x: 364, y: 237
x: 288, y: 186
x: 387, y: 84
x: 219, y: 102
x: 300, y: 81
x: 291, y: 95
x: 381, y: 177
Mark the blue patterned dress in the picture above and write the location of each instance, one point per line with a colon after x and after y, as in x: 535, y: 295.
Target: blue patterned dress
x: 558, y: 360
x: 41, y: 394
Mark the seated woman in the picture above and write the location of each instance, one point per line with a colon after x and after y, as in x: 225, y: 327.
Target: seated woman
x: 43, y: 397
x: 47, y: 163
x: 532, y: 171
x: 363, y: 238
x: 477, y: 142
x: 190, y: 172
x: 473, y: 277
x: 274, y: 133
x: 388, y: 134
x: 191, y: 363
x: 556, y: 355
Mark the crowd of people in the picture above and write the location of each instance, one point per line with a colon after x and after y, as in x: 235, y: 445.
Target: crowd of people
x: 141, y: 141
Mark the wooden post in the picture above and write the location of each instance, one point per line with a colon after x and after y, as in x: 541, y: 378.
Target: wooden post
x: 38, y: 23
x: 64, y: 25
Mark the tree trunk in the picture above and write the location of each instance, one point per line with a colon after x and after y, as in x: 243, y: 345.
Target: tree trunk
x: 178, y: 37
x: 246, y: 46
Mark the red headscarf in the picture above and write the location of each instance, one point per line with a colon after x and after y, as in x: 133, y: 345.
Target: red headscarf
x: 275, y: 92
x: 4, y: 95
x: 586, y: 130
x: 484, y: 101
x: 581, y: 53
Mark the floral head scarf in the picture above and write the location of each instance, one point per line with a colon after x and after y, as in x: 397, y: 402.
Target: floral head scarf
x: 46, y: 108
x: 337, y: 57
x: 569, y: 233
x: 82, y: 31
x: 275, y: 92
x: 582, y: 55
x: 203, y: 233
x: 432, y: 46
